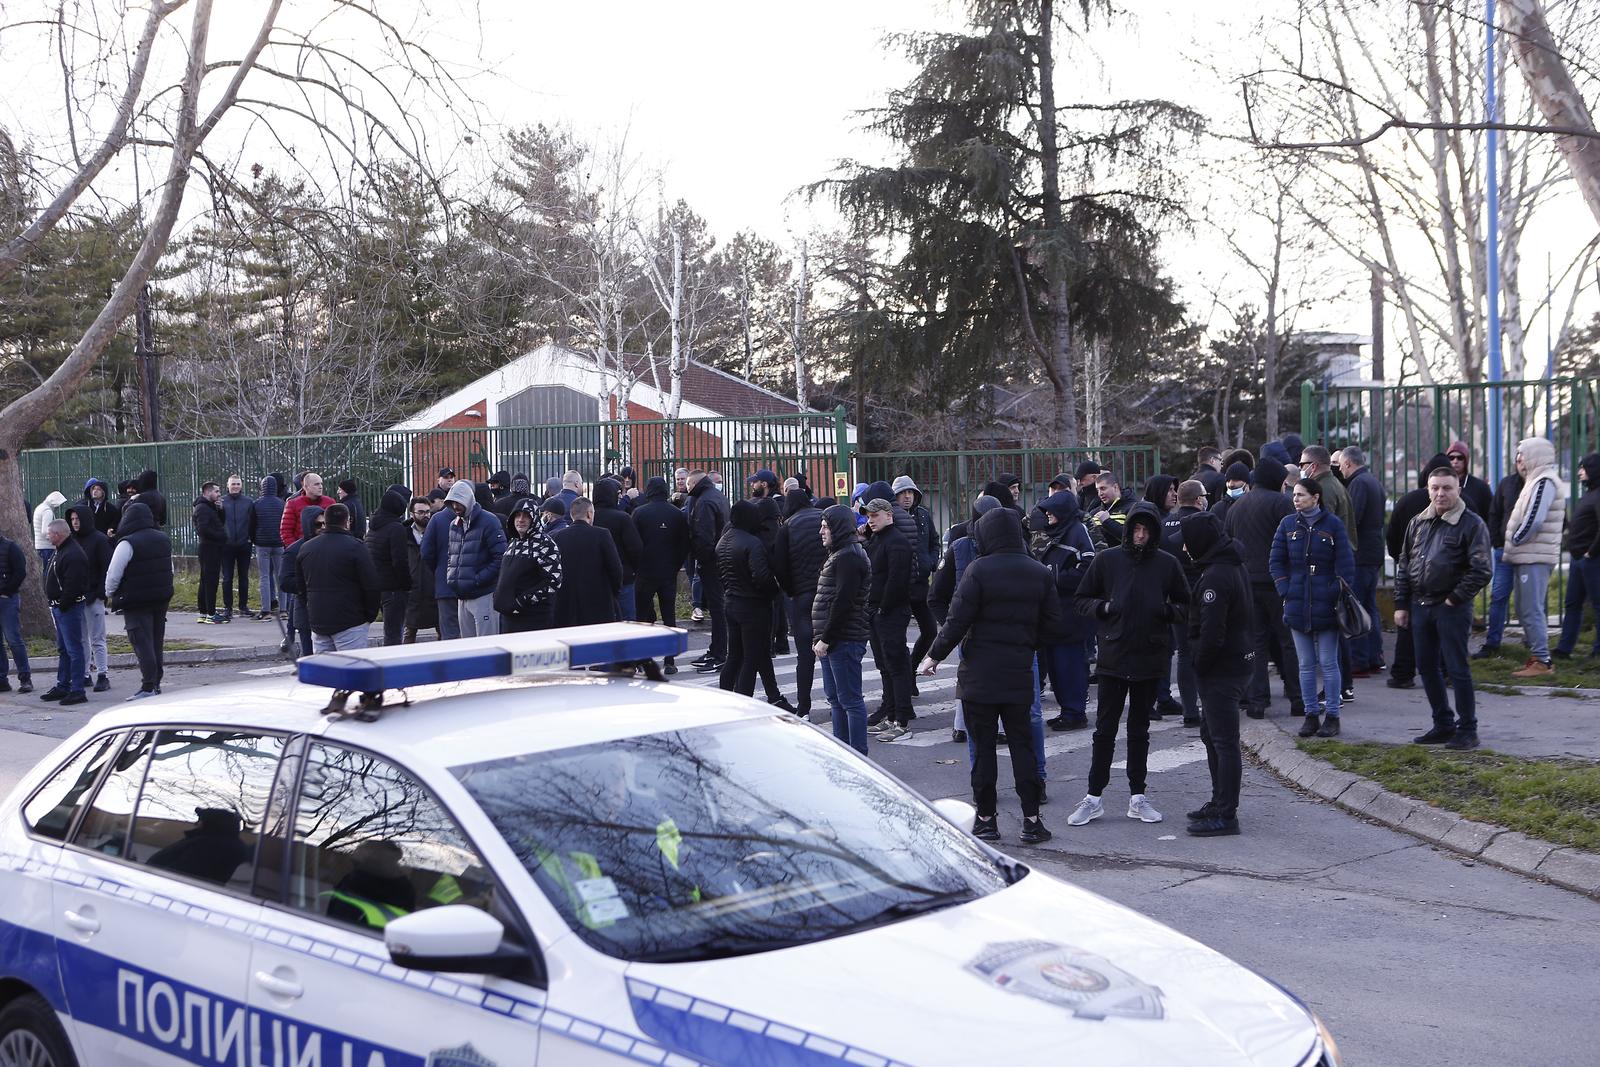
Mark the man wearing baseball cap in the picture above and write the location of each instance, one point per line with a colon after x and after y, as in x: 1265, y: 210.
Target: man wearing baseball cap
x: 447, y: 478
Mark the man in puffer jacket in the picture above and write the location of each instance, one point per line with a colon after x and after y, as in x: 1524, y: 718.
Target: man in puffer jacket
x: 1135, y: 592
x: 1533, y: 548
x: 798, y: 557
x: 43, y: 516
x: 748, y: 590
x: 468, y: 556
x: 1061, y: 542
x: 840, y: 623
x: 530, y: 574
x: 266, y: 514
x: 390, y: 543
x: 1005, y: 609
x: 610, y: 515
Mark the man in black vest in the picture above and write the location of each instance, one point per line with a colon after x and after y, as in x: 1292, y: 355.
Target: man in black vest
x: 139, y: 584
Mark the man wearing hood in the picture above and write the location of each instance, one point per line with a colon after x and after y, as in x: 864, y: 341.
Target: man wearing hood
x: 519, y: 491
x: 106, y: 512
x: 748, y: 591
x: 591, y: 570
x: 663, y: 535
x: 1220, y: 623
x: 1135, y: 592
x: 1005, y: 609
x: 150, y: 496
x: 236, y: 518
x: 1368, y: 501
x: 840, y: 623
x: 1474, y: 490
x: 1583, y: 573
x: 925, y: 547
x: 708, y: 517
x: 266, y: 516
x: 311, y: 525
x: 97, y: 550
x: 1533, y: 548
x: 609, y: 515
x: 468, y: 555
x: 499, y: 487
x: 797, y: 560
x: 893, y: 571
x: 1062, y: 544
x: 139, y: 584
x: 1500, y: 505
x: 212, y: 534
x: 1403, y: 672
x: 1013, y: 486
x: 1253, y: 520
x: 43, y: 516
x: 340, y: 583
x: 958, y: 555
x: 390, y: 544
x: 1191, y: 501
x: 530, y: 575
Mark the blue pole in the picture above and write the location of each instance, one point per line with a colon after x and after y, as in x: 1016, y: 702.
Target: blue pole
x: 1492, y: 108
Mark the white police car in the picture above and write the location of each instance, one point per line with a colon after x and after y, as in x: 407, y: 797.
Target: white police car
x: 557, y: 869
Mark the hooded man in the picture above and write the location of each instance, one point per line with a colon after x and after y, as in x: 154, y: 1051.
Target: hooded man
x: 1369, y: 502
x: 797, y: 560
x: 150, y: 496
x: 925, y: 546
x: 708, y: 517
x: 390, y: 544
x: 139, y: 584
x: 840, y: 623
x: 748, y: 591
x: 236, y: 520
x: 1403, y: 672
x: 1583, y: 551
x: 1474, y: 490
x: 211, y: 531
x: 1253, y: 521
x: 468, y: 555
x: 519, y: 491
x: 1220, y: 624
x: 530, y: 574
x: 1533, y: 547
x: 1135, y: 592
x: 1061, y: 542
x: 610, y: 515
x: 266, y: 516
x: 663, y: 535
x: 311, y: 525
x: 1005, y: 609
x: 591, y: 570
x: 97, y: 498
x: 43, y: 516
x: 97, y: 550
x: 340, y: 584
x: 499, y: 485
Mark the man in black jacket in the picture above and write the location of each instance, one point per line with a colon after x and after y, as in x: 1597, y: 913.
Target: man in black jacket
x: 1403, y: 673
x: 1368, y: 500
x: 748, y: 590
x: 150, y: 496
x: 663, y: 546
x: 139, y: 584
x: 1475, y: 492
x: 890, y: 604
x: 348, y: 494
x: 106, y: 511
x: 840, y: 623
x: 237, y: 522
x: 1220, y: 625
x: 1444, y: 562
x: 797, y: 562
x: 1191, y: 501
x: 1208, y: 472
x: 390, y: 542
x: 211, y: 530
x: 591, y: 569
x: 610, y: 515
x: 1583, y: 574
x: 925, y: 548
x: 1500, y: 505
x: 1005, y: 609
x: 67, y: 584
x: 13, y: 572
x: 708, y: 517
x: 340, y: 584
x: 97, y: 550
x: 1136, y: 592
x: 530, y: 574
x: 1252, y: 521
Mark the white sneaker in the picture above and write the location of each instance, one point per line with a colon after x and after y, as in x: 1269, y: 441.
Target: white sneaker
x: 698, y: 615
x: 1139, y: 808
x: 1088, y: 809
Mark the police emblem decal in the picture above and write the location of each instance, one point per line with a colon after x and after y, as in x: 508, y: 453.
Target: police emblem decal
x: 1090, y: 986
x: 462, y: 1056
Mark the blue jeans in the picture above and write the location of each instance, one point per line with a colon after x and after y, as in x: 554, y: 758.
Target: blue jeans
x: 268, y: 562
x: 625, y: 604
x: 1533, y: 611
x: 11, y: 633
x: 1067, y: 666
x: 1366, y: 651
x: 1499, y: 601
x: 1439, y: 633
x: 1035, y: 725
x: 1583, y: 585
x: 841, y: 682
x: 1320, y: 649
x: 70, y: 662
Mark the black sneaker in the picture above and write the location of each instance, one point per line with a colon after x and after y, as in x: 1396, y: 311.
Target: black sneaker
x: 1347, y: 695
x: 1034, y: 831
x: 1310, y: 727
x: 1463, y: 740
x: 75, y: 697
x: 55, y: 692
x: 804, y: 714
x: 1256, y: 713
x: 781, y: 702
x: 101, y: 684
x: 1156, y: 713
x: 1044, y: 797
x: 1330, y: 727
x: 1438, y: 735
x: 24, y: 685
x: 877, y: 717
x: 1203, y: 811
x: 1193, y: 724
x: 1214, y: 826
x: 5, y: 685
x: 669, y: 667
x: 710, y: 666
x: 1401, y: 683
x: 1068, y: 722
x: 958, y: 737
x: 986, y: 829
x: 1487, y: 652
x: 1556, y: 653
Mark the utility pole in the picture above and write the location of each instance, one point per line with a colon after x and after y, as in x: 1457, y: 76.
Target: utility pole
x: 1377, y: 324
x: 144, y: 350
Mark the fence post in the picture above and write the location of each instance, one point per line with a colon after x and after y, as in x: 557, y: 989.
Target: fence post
x: 1439, y: 443
x: 841, y: 492
x: 1308, y: 422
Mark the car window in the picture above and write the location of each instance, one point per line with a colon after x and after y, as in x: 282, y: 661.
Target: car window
x: 725, y: 839
x: 51, y: 809
x: 105, y: 824
x: 371, y: 844
x: 203, y: 802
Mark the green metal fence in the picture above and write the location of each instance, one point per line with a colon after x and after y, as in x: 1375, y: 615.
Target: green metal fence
x: 950, y: 480
x: 815, y: 443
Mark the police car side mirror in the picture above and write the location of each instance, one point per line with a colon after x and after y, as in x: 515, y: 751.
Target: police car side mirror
x: 455, y: 938
x: 956, y: 811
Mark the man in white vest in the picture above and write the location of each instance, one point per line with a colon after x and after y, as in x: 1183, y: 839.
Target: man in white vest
x: 1533, y: 548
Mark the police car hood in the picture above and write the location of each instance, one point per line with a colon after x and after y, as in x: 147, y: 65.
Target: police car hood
x: 1040, y: 972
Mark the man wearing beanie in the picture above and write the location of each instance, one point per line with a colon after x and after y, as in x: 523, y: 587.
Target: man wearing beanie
x: 358, y: 510
x: 1252, y: 520
x: 1087, y: 487
x: 1236, y: 482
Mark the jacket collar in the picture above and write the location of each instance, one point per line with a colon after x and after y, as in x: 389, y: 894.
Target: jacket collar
x: 1452, y: 516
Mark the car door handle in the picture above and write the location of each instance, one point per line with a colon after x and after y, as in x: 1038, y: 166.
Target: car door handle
x: 278, y: 985
x: 83, y: 923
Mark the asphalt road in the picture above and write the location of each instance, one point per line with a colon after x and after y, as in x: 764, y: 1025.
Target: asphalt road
x: 1413, y: 956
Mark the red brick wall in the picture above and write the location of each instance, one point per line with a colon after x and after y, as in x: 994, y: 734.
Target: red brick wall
x: 429, y: 452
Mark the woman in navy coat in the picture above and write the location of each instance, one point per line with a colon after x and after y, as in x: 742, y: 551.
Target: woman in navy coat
x: 1310, y: 554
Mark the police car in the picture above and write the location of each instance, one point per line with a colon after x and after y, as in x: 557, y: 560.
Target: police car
x: 519, y: 864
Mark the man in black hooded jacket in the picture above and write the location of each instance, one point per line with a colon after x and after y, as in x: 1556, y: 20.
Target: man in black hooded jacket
x: 708, y: 517
x: 748, y: 589
x: 1135, y: 591
x: 890, y: 601
x: 609, y: 515
x: 840, y: 623
x: 797, y: 561
x: 1220, y: 624
x: 1252, y: 520
x: 663, y: 546
x: 389, y: 541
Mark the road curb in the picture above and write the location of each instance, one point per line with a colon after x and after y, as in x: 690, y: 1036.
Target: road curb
x: 178, y: 657
x: 1569, y: 868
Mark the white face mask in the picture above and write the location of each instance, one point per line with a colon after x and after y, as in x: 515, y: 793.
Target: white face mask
x: 1236, y: 492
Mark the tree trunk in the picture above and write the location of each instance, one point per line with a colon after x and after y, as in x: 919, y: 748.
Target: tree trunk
x: 1551, y: 85
x: 1061, y: 370
x: 1269, y: 354
x: 802, y: 287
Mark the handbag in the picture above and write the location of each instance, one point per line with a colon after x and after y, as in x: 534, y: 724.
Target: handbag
x: 1351, y: 615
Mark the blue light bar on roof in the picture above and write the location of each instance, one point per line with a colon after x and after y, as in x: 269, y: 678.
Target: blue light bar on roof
x: 372, y: 670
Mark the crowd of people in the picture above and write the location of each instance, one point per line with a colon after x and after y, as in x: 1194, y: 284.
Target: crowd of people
x: 1180, y: 600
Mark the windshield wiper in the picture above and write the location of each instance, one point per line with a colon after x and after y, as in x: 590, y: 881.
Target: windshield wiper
x: 720, y: 947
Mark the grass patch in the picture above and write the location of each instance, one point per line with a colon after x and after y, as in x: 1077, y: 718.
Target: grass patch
x: 1554, y: 800
x: 1580, y: 672
x: 116, y: 645
x: 1501, y: 690
x: 1568, y: 694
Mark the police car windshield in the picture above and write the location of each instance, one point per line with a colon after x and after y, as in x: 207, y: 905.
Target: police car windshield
x: 724, y: 840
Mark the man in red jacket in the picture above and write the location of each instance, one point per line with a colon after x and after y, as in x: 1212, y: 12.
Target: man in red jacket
x: 310, y: 493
